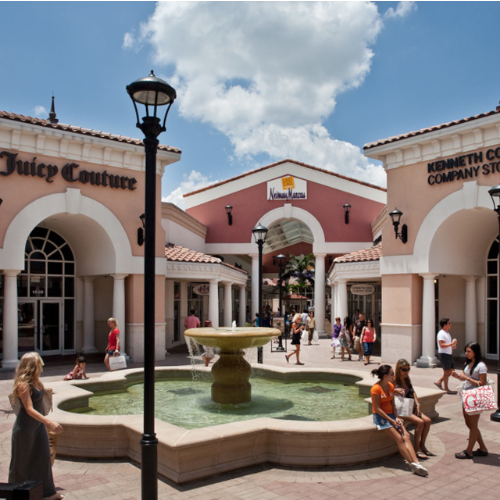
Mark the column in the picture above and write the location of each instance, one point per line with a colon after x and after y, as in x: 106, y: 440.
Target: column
x: 428, y: 358
x: 255, y: 285
x: 319, y: 292
x: 183, y: 305
x: 119, y: 307
x: 10, y: 320
x: 342, y: 300
x: 470, y: 309
x: 169, y: 312
x: 228, y: 304
x: 334, y: 304
x: 243, y: 305
x: 88, y: 315
x: 213, y: 303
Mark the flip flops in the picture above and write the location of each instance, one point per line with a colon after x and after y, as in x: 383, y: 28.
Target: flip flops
x: 463, y: 455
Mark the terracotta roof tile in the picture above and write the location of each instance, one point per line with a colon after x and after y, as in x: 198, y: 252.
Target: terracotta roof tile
x: 329, y: 172
x: 367, y: 255
x: 80, y: 130
x: 422, y: 131
x: 177, y: 253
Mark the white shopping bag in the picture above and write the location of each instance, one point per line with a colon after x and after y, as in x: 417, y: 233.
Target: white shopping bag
x: 315, y: 336
x: 404, y: 406
x: 117, y: 362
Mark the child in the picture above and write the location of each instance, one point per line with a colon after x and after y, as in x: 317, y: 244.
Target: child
x: 78, y: 371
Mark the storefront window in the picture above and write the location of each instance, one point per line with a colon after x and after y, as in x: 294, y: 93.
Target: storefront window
x: 492, y: 301
x: 195, y: 301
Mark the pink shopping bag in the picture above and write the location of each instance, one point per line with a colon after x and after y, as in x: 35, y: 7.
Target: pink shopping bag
x: 479, y: 399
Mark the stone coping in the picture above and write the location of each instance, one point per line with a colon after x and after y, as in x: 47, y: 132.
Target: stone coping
x: 185, y: 455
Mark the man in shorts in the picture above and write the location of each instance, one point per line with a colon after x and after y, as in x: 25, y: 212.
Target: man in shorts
x: 445, y: 346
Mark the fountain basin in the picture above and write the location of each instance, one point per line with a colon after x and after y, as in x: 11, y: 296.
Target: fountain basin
x: 186, y: 455
x: 232, y: 371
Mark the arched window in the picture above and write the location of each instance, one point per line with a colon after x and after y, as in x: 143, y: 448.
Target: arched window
x: 491, y: 347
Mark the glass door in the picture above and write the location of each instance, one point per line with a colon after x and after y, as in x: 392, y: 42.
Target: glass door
x: 28, y: 325
x: 50, y: 328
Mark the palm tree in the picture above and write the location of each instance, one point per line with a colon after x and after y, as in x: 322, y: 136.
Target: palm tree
x: 300, y: 269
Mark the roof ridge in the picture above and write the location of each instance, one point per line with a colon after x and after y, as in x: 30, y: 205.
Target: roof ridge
x: 80, y: 130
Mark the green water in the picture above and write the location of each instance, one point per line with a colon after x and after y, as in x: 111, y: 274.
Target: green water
x: 187, y: 403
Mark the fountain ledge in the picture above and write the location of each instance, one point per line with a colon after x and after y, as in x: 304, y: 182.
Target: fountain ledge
x: 186, y: 455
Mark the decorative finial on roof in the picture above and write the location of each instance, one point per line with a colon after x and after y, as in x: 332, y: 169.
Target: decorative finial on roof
x: 52, y: 114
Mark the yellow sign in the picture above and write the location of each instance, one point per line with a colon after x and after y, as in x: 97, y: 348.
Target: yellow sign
x: 287, y: 183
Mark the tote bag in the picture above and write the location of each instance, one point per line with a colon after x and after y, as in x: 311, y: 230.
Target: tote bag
x: 404, y: 406
x: 479, y: 399
x: 117, y: 362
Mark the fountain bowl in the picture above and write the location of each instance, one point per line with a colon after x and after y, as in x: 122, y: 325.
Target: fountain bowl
x: 232, y: 371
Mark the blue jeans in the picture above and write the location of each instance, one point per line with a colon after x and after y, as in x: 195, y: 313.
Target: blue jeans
x: 368, y: 348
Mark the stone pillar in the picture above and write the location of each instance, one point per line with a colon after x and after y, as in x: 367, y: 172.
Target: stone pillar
x: 88, y: 316
x: 334, y: 304
x: 119, y: 307
x: 183, y: 304
x: 213, y: 303
x: 470, y: 309
x: 319, y: 292
x: 10, y: 321
x: 243, y: 305
x: 428, y: 358
x: 228, y: 304
x: 255, y: 285
x: 169, y: 312
x: 342, y: 300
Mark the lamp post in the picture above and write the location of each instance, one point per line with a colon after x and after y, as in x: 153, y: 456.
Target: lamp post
x: 495, y: 197
x: 260, y: 233
x: 281, y: 260
x: 151, y: 92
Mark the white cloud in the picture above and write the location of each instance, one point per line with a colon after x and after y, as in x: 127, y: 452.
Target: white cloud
x: 267, y: 74
x: 128, y: 40
x: 403, y: 9
x: 192, y: 182
x: 40, y: 112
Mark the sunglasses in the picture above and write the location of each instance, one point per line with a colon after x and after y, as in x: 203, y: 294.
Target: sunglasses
x: 405, y: 369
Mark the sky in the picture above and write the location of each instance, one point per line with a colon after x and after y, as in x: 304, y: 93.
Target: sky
x: 256, y: 82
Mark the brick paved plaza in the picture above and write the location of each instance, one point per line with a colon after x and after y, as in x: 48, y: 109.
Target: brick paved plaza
x: 448, y: 477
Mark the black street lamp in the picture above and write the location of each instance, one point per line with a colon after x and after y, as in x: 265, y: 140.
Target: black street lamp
x: 495, y: 196
x: 281, y: 262
x: 260, y: 233
x: 151, y: 92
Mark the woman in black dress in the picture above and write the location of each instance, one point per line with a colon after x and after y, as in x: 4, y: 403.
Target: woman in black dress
x: 297, y: 329
x: 30, y: 442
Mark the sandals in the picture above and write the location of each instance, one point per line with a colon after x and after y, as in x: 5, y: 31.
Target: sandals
x: 421, y: 455
x: 479, y: 453
x: 463, y: 455
x: 287, y: 360
x: 429, y: 453
x: 439, y: 386
x: 303, y: 363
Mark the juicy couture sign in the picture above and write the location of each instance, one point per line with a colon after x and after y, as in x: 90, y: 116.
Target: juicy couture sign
x: 69, y: 172
x: 287, y: 188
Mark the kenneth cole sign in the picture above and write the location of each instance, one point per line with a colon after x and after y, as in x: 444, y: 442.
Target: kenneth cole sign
x: 464, y: 167
x: 287, y: 188
x: 69, y: 173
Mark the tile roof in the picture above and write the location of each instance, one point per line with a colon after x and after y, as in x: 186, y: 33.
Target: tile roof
x: 422, y: 131
x: 288, y: 160
x: 176, y: 253
x: 79, y: 130
x: 367, y: 255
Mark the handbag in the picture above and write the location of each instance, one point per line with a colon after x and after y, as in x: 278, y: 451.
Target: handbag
x: 117, y: 362
x: 16, y: 405
x: 404, y: 406
x: 479, y: 399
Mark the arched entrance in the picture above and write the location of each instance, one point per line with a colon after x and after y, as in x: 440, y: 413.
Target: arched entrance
x: 46, y: 295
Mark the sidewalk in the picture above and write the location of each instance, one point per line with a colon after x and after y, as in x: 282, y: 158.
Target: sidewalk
x: 449, y: 478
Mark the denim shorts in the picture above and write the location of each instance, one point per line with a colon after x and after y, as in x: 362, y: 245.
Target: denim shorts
x: 368, y: 348
x: 381, y: 423
x: 111, y: 352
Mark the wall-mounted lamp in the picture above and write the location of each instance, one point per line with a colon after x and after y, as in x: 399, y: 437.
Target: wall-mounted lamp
x: 229, y: 210
x: 347, y: 209
x: 396, y: 217
x: 140, y: 231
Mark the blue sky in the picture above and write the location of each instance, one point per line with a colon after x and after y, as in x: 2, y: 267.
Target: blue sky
x: 257, y: 82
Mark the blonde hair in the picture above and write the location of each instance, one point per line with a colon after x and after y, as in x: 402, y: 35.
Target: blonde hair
x: 114, y: 320
x: 297, y: 316
x: 28, y: 370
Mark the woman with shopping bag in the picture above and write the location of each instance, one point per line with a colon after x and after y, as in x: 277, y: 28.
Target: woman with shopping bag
x: 473, y: 376
x: 297, y: 329
x: 404, y: 389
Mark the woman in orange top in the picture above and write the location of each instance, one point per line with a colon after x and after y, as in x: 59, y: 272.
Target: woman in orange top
x: 385, y: 417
